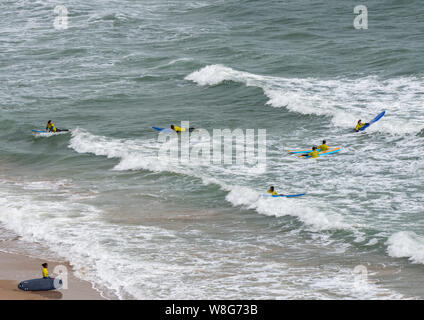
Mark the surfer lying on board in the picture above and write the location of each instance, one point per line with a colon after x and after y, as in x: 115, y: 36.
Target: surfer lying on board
x: 51, y: 128
x: 45, y: 271
x: 179, y: 129
x: 324, y: 146
x: 359, y: 125
x: 314, y: 153
x: 272, y: 192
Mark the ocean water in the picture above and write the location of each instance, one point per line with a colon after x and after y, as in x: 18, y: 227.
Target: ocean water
x: 140, y: 228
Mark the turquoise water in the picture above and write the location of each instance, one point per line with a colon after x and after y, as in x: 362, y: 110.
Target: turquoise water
x: 99, y: 196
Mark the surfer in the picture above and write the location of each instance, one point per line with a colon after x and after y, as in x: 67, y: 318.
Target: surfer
x: 314, y: 153
x: 179, y: 129
x: 51, y: 128
x: 45, y: 271
x: 324, y: 146
x: 272, y: 192
x: 359, y: 125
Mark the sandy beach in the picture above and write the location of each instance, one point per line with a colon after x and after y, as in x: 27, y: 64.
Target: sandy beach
x: 15, y: 268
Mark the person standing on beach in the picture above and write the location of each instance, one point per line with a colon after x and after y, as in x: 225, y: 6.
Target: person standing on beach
x: 45, y: 271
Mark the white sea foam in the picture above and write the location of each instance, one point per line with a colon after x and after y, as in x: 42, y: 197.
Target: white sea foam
x: 136, y: 155
x: 75, y: 231
x: 346, y: 281
x: 148, y: 255
x: 406, y: 244
x: 344, y: 100
x: 98, y: 248
x: 314, y: 218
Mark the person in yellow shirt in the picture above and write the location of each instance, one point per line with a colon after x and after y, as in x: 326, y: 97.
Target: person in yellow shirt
x: 359, y: 125
x: 179, y: 129
x: 45, y: 271
x: 272, y: 192
x: 324, y: 146
x: 314, y: 153
x: 50, y: 126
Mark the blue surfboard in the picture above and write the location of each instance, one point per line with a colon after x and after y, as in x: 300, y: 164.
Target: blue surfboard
x: 323, y: 153
x: 42, y: 284
x: 301, y: 151
x: 44, y: 132
x: 283, y: 195
x: 162, y: 129
x: 373, y: 120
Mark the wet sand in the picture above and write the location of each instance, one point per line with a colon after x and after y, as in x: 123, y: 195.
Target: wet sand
x: 15, y: 268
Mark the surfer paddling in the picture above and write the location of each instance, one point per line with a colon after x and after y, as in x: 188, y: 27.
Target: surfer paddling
x: 314, y: 153
x: 272, y: 192
x: 180, y: 129
x: 359, y: 125
x: 324, y: 146
x: 51, y: 128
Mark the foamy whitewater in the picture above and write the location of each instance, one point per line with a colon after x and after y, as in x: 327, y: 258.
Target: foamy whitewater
x: 140, y: 227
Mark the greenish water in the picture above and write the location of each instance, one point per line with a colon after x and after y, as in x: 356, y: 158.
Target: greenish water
x: 99, y: 197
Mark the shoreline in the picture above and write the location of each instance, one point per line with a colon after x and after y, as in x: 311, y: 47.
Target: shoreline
x: 16, y: 267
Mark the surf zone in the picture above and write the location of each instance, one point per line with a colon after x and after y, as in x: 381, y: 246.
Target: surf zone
x: 222, y: 147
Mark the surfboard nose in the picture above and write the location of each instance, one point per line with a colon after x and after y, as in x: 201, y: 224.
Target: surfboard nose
x: 57, y: 283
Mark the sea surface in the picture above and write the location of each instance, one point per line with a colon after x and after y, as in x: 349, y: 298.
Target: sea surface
x: 140, y: 228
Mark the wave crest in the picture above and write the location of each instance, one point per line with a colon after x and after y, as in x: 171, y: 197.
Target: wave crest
x: 343, y: 100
